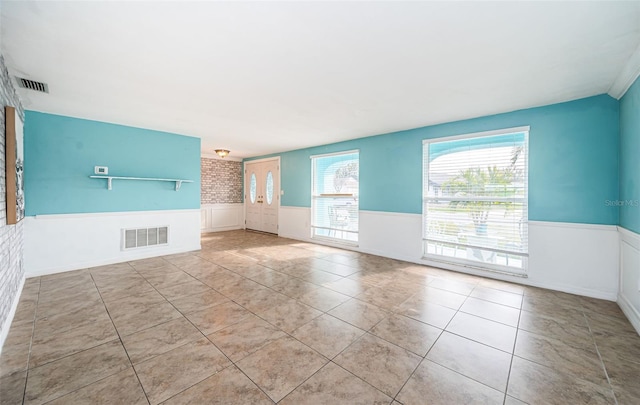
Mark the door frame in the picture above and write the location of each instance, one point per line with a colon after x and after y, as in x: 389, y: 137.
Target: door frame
x: 244, y: 187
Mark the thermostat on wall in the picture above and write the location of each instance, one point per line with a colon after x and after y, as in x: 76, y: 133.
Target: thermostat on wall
x: 101, y: 170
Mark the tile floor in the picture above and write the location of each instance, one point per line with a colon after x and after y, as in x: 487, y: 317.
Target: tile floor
x: 256, y: 319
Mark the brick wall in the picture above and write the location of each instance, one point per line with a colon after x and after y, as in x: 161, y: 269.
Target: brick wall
x: 11, y: 268
x: 221, y: 181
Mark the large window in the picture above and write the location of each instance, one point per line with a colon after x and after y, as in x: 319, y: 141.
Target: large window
x: 475, y: 200
x: 335, y: 196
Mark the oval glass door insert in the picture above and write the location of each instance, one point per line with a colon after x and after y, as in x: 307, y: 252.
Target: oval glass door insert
x: 252, y: 188
x: 269, y: 187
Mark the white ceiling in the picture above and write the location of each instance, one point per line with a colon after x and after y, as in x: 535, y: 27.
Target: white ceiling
x: 266, y: 77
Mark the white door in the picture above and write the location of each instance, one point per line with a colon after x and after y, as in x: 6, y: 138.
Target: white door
x: 262, y: 195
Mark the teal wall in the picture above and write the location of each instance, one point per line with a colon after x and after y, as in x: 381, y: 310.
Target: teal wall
x: 630, y: 158
x: 573, y: 162
x: 61, y: 152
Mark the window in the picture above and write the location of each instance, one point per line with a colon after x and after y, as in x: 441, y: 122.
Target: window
x: 475, y: 200
x: 269, y: 187
x: 253, y: 188
x: 334, y: 195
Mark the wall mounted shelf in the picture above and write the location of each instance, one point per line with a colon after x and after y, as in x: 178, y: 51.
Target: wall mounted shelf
x: 111, y: 178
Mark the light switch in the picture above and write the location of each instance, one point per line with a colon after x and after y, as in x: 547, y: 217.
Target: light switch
x: 101, y: 170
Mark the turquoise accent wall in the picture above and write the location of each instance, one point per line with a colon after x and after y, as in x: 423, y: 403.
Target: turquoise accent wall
x: 573, y: 162
x: 630, y: 158
x: 61, y: 152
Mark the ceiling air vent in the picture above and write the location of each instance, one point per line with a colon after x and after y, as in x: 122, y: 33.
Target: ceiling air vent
x: 32, y: 85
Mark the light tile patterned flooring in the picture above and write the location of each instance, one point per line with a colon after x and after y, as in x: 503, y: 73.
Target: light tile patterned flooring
x: 256, y: 319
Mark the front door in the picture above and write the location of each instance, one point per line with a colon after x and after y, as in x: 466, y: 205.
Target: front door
x: 262, y: 195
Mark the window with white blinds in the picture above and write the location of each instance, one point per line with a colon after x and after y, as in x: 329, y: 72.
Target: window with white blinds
x: 475, y: 195
x: 334, y: 196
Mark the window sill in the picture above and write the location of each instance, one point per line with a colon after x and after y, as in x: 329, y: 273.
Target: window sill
x: 473, y: 266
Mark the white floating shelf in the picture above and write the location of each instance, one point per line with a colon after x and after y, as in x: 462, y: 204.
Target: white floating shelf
x: 111, y: 178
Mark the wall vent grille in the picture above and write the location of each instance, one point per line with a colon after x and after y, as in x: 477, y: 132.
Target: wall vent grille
x: 142, y: 237
x: 32, y: 85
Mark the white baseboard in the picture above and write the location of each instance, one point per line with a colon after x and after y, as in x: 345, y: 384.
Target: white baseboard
x: 574, y: 258
x: 221, y: 229
x: 58, y: 243
x: 112, y: 260
x: 4, y: 332
x: 632, y: 313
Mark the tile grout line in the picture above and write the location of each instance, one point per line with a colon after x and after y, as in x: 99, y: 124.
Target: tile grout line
x: 604, y: 367
x: 330, y: 360
x: 513, y: 355
x: 464, y: 337
x: 120, y: 337
x: 33, y: 332
x: 209, y: 340
x: 424, y: 358
x: 393, y: 312
x: 84, y: 350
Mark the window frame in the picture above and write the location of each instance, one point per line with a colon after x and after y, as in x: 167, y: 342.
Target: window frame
x: 467, y: 263
x: 314, y: 198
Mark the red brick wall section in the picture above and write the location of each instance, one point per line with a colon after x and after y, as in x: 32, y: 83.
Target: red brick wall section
x: 221, y: 181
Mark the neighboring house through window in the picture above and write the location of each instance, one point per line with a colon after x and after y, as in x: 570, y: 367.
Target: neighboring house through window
x: 475, y: 195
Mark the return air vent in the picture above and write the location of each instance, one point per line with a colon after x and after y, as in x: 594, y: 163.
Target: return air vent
x: 137, y: 238
x: 32, y: 85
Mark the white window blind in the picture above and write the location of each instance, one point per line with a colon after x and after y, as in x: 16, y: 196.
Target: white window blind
x: 475, y: 200
x: 334, y: 196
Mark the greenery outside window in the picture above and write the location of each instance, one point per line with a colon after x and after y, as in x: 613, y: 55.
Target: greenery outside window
x: 475, y: 198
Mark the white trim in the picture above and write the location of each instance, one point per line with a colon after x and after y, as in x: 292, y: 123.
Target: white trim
x: 222, y: 229
x: 248, y: 162
x: 629, y: 237
x: 4, y: 332
x: 45, y: 217
x: 335, y: 241
x: 293, y: 207
x: 627, y: 76
x: 631, y: 313
x: 325, y: 242
x: 466, y: 265
x: 519, y: 279
x: 112, y: 260
x: 216, y: 157
x: 479, y: 134
x: 346, y: 152
x: 389, y: 213
x: 595, y: 227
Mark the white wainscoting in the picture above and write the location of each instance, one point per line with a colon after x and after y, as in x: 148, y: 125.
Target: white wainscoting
x: 575, y: 258
x: 57, y: 243
x: 293, y: 222
x: 4, y: 332
x: 221, y: 217
x: 629, y: 297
